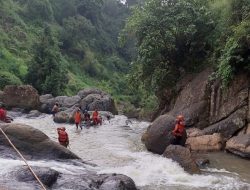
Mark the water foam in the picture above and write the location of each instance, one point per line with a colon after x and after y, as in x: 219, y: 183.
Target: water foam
x: 115, y: 149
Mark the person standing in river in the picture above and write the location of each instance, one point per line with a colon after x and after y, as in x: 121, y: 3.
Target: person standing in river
x: 78, y: 118
x: 63, y: 137
x: 55, y: 109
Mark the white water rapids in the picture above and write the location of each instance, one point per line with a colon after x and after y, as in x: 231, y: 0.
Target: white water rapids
x: 116, y: 148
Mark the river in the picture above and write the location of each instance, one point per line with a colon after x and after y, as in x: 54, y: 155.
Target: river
x: 115, y: 147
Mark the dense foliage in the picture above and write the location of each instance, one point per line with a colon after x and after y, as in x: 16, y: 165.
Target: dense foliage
x: 61, y: 46
x: 179, y: 36
x: 81, y: 47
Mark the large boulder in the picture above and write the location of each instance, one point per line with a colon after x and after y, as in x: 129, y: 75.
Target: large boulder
x: 66, y: 101
x: 33, y: 143
x: 205, y: 143
x: 24, y: 96
x: 64, y: 117
x: 92, y: 181
x: 159, y: 134
x: 225, y: 101
x: 192, y: 101
x: 117, y: 182
x: 33, y: 114
x: 47, y: 103
x: 230, y: 125
x: 239, y: 145
x: 182, y: 156
x: 102, y: 102
x: 85, y: 92
x: 47, y: 176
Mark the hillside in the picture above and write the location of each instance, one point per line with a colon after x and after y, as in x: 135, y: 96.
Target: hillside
x: 81, y: 37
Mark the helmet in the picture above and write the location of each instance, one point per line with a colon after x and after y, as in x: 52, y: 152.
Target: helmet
x: 180, y: 118
x: 63, y: 128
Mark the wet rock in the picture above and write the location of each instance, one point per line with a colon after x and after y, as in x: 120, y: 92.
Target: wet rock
x: 33, y: 114
x: 158, y: 135
x: 101, y: 102
x: 33, y: 143
x: 24, y: 96
x: 192, y: 101
x: 206, y: 143
x: 47, y: 103
x: 239, y: 145
x: 92, y: 181
x: 230, y: 125
x: 85, y: 92
x: 47, y: 176
x: 202, y: 162
x: 224, y: 102
x: 117, y: 182
x: 182, y: 156
x: 67, y: 102
x: 63, y: 117
x: 194, y: 132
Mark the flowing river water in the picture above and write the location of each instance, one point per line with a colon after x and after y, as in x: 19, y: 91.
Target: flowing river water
x: 117, y: 148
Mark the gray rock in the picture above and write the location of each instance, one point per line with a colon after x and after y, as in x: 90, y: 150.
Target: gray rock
x: 229, y: 125
x: 47, y: 103
x: 202, y: 162
x: 34, y: 143
x: 33, y: 113
x: 192, y: 101
x: 85, y: 92
x: 64, y: 117
x: 92, y: 181
x: 117, y: 182
x: 224, y: 102
x: 239, y: 145
x: 47, y: 176
x: 182, y: 156
x: 67, y: 102
x: 159, y: 135
x: 100, y: 102
x: 24, y: 96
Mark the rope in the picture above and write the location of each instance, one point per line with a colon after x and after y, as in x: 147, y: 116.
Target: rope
x: 39, y: 181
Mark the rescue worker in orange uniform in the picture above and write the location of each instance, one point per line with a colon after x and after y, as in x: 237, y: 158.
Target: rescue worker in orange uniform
x: 78, y: 118
x: 179, y: 130
x: 63, y: 137
x: 3, y: 115
x: 95, y: 117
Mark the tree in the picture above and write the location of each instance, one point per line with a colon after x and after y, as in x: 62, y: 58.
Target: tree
x: 46, y: 72
x: 171, y: 36
x: 233, y: 34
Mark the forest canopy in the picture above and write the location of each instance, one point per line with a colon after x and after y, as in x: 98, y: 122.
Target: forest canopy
x: 175, y: 37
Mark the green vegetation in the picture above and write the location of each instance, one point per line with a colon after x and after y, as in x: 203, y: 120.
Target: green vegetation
x: 179, y: 36
x: 62, y: 46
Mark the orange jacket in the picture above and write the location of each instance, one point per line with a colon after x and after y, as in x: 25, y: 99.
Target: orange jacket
x: 179, y: 129
x: 63, y: 136
x: 2, y: 114
x: 95, y: 115
x: 77, y: 117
